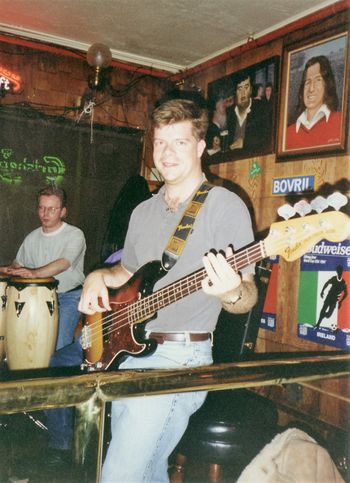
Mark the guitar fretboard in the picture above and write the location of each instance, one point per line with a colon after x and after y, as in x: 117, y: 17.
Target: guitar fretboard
x: 147, y: 306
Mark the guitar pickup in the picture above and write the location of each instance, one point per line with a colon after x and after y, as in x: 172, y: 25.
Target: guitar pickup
x: 86, y: 337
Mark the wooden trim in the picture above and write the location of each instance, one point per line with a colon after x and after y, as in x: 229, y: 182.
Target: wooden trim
x: 65, y: 51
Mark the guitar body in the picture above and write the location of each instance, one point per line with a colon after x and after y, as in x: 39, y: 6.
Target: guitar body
x: 113, y: 335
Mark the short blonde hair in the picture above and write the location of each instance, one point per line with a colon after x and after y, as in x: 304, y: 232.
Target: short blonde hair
x: 52, y: 190
x: 179, y: 110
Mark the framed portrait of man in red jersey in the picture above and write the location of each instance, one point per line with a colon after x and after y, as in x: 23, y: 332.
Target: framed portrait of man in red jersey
x: 314, y: 97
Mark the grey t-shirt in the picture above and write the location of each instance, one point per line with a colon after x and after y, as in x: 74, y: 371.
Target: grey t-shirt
x: 224, y: 219
x: 39, y: 249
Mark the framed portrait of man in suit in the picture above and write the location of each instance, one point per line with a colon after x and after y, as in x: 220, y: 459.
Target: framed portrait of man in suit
x: 314, y: 97
x: 242, y: 111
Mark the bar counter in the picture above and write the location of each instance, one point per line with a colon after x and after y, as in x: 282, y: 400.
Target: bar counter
x: 48, y: 388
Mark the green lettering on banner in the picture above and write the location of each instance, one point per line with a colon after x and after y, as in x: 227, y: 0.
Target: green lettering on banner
x: 51, y: 167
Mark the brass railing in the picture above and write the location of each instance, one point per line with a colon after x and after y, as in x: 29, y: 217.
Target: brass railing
x: 45, y: 389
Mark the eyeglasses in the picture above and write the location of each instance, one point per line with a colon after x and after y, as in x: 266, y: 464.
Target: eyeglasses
x: 51, y: 210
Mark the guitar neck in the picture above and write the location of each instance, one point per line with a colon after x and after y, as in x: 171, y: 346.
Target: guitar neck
x: 165, y: 296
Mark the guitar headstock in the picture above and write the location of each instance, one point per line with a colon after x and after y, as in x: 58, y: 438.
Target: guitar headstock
x: 294, y: 237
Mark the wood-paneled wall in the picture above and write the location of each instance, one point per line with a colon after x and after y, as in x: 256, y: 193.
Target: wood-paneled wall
x: 55, y: 84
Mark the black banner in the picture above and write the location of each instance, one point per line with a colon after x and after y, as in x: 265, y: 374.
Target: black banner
x: 36, y: 150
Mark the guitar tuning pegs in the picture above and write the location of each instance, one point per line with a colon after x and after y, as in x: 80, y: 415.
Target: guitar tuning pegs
x: 337, y: 200
x: 286, y: 211
x: 302, y: 208
x: 319, y: 204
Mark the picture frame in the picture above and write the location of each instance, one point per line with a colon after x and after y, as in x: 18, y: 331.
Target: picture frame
x: 253, y: 93
x: 314, y: 99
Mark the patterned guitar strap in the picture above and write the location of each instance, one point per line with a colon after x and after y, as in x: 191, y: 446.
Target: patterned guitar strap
x: 177, y: 241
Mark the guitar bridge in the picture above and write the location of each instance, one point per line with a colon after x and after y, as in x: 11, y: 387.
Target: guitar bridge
x: 88, y: 367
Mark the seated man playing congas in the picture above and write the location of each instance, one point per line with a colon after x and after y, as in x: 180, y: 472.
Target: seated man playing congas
x: 56, y: 249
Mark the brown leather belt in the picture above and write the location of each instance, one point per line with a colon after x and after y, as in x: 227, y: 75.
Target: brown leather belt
x: 162, y: 337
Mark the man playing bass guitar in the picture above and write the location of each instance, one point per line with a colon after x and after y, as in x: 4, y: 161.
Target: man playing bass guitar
x: 146, y: 430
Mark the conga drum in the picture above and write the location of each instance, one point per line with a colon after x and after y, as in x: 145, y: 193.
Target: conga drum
x: 31, y: 322
x: 3, y: 284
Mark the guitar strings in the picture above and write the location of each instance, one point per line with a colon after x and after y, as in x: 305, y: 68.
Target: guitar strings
x: 95, y: 327
x: 164, y: 289
x: 123, y: 316
x: 106, y: 325
x: 110, y: 317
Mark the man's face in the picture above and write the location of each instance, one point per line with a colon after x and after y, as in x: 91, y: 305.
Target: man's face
x: 50, y: 212
x: 314, y: 88
x: 176, y: 152
x: 243, y: 94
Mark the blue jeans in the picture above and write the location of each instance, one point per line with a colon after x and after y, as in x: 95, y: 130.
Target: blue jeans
x: 68, y: 317
x: 60, y: 421
x: 145, y: 430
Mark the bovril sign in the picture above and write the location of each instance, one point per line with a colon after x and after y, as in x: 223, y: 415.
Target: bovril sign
x: 293, y: 184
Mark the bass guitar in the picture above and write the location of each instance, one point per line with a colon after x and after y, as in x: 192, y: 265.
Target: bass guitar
x: 110, y: 336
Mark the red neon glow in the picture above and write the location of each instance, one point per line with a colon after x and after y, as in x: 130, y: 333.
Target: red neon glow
x: 15, y: 79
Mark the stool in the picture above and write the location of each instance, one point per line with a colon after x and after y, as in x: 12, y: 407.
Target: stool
x: 229, y: 429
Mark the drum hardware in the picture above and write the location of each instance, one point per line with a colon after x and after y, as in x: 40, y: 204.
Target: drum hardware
x: 51, y: 306
x: 19, y: 306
